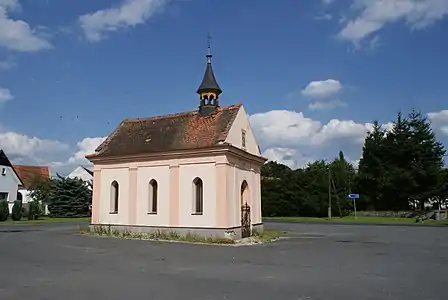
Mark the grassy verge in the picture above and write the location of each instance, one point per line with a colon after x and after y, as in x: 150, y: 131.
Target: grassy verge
x: 44, y: 220
x: 359, y: 220
x: 268, y: 236
x: 166, y: 235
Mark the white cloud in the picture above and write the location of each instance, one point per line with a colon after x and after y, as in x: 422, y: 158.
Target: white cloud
x: 289, y: 157
x: 440, y: 121
x: 130, y: 13
x: 17, y: 34
x: 86, y: 146
x: 21, y: 146
x: 322, y: 89
x: 293, y: 139
x: 320, y: 105
x: 5, y: 95
x: 371, y: 16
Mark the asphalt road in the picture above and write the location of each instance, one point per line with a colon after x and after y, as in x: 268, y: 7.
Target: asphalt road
x: 334, y: 262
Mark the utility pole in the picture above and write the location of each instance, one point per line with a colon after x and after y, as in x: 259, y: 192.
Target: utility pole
x: 329, y: 193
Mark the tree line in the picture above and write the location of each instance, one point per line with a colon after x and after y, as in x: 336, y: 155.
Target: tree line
x: 400, y: 169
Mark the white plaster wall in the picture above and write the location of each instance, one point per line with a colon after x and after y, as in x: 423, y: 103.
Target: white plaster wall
x: 121, y: 175
x: 187, y: 173
x: 26, y: 195
x: 234, y: 192
x: 162, y: 175
x: 82, y: 174
x: 235, y: 137
x: 9, y: 184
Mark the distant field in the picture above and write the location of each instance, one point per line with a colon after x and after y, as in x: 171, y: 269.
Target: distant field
x: 44, y: 220
x: 358, y: 220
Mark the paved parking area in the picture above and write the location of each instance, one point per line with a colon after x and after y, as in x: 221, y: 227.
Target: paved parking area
x: 333, y: 262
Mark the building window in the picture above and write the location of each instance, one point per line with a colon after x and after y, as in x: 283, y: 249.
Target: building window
x: 19, y: 196
x: 114, y: 193
x: 153, y: 196
x: 243, y: 138
x: 244, y: 196
x: 198, y: 196
x: 4, y: 196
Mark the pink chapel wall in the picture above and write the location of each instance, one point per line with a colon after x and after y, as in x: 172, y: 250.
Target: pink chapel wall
x: 222, y: 179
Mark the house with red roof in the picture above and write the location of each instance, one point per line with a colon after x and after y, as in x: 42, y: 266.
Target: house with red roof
x: 16, y: 180
x: 28, y: 175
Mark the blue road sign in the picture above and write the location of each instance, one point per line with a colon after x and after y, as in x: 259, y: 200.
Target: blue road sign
x: 353, y: 196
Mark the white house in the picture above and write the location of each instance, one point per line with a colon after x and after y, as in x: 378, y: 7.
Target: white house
x: 9, y: 181
x: 82, y: 173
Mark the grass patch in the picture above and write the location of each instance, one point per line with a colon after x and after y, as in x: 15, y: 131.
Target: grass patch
x: 44, y: 220
x: 359, y: 220
x: 265, y: 236
x: 268, y: 236
x: 157, y: 235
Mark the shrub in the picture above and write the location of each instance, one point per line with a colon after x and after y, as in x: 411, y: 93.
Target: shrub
x: 16, y: 214
x: 34, y: 211
x: 4, y: 210
x: 25, y: 210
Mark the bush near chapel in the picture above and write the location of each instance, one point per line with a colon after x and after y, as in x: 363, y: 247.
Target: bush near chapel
x: 70, y: 198
x: 16, y: 214
x: 4, y: 210
x: 34, y: 211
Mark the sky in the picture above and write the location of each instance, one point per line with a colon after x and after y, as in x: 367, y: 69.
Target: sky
x: 312, y: 74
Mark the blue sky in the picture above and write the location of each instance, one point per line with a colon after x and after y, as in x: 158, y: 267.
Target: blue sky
x: 312, y: 73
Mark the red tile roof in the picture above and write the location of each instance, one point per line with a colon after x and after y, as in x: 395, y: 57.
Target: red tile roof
x: 182, y: 131
x: 30, y: 173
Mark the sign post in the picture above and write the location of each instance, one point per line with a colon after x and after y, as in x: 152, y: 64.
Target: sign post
x: 354, y: 197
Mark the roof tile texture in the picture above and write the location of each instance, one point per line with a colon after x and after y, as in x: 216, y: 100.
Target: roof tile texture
x: 180, y: 131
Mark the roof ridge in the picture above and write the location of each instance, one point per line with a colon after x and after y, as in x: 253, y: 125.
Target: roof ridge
x: 36, y: 166
x: 228, y: 107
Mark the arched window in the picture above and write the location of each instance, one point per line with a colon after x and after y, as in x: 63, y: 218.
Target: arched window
x: 212, y: 100
x: 198, y: 196
x: 153, y: 196
x: 19, y: 196
x: 244, y: 193
x: 114, y: 192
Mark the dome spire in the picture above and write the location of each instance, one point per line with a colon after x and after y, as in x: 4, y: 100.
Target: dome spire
x: 209, y: 89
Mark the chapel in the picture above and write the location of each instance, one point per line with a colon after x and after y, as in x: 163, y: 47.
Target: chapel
x: 194, y: 172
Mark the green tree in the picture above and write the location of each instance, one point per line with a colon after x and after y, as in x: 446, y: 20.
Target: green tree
x: 314, y: 196
x: 34, y: 210
x: 273, y: 169
x: 4, y: 210
x: 16, y: 214
x: 41, y: 190
x: 427, y: 158
x: 70, y: 198
x: 371, y: 170
x: 342, y: 177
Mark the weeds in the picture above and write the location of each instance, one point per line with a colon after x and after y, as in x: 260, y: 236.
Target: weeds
x: 158, y: 235
x: 265, y: 236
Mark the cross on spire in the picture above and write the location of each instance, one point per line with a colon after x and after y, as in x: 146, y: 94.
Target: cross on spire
x: 209, y: 51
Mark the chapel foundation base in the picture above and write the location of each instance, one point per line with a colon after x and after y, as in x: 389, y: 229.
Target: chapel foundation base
x: 233, y: 233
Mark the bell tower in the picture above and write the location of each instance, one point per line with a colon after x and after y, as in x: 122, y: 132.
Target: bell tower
x: 209, y: 89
